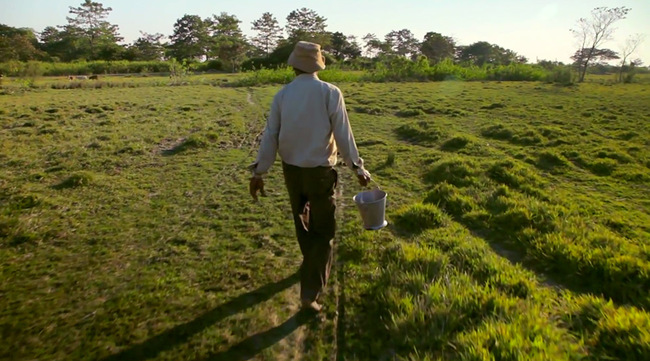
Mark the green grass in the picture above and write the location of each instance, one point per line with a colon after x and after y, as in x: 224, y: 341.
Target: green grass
x: 518, y: 225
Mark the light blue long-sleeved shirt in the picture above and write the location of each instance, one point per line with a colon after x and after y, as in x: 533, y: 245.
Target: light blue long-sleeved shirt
x: 307, y: 125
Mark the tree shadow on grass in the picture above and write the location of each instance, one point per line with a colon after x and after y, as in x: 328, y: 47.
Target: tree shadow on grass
x: 181, y: 333
x: 253, y: 345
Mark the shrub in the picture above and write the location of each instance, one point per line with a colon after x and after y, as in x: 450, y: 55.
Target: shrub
x: 560, y: 75
x: 516, y: 72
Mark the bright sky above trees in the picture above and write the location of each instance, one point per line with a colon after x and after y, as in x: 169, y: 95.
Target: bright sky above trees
x: 533, y: 28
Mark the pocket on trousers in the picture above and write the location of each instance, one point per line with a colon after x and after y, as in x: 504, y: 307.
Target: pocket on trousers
x: 326, y: 182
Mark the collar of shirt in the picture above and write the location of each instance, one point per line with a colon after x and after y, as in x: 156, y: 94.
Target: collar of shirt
x: 307, y: 76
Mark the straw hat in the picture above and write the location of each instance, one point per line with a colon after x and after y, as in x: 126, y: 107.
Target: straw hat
x: 307, y: 57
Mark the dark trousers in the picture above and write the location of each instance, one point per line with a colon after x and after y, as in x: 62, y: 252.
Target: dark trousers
x: 311, y: 191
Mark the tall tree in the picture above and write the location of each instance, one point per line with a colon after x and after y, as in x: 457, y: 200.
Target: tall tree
x: 482, y: 52
x: 403, y: 42
x: 591, y: 33
x: 190, y: 39
x: 61, y: 44
x: 597, y: 56
x: 147, y: 47
x: 89, y: 23
x: 228, y: 42
x: 18, y: 44
x: 305, y: 24
x: 268, y: 33
x: 627, y: 49
x: 437, y: 47
x: 344, y: 47
x: 374, y: 46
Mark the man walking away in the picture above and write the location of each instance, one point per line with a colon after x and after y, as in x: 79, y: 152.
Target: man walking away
x: 307, y: 125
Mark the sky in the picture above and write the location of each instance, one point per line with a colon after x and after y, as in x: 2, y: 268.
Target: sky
x: 537, y: 29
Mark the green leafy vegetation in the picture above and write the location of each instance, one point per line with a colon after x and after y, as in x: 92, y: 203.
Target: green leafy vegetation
x: 516, y: 232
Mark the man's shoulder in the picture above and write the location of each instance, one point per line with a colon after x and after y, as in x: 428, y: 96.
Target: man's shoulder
x: 330, y: 87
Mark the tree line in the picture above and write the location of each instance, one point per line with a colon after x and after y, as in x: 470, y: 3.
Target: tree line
x: 219, y: 39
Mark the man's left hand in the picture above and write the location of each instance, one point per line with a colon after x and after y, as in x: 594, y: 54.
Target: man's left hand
x: 363, y: 176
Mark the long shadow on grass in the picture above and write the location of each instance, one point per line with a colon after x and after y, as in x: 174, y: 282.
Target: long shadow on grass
x: 253, y: 345
x: 181, y: 333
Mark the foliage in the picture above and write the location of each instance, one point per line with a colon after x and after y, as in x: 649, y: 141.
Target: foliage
x: 343, y: 47
x: 482, y: 53
x: 268, y: 33
x: 630, y: 46
x: 306, y: 25
x: 402, y: 43
x: 88, y: 67
x: 560, y: 75
x: 437, y: 47
x: 147, y: 47
x: 592, y: 33
x: 190, y: 39
x: 97, y: 37
x: 487, y: 255
x: 18, y: 44
x: 227, y: 41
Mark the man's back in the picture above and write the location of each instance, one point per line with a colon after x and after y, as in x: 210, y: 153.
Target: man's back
x: 308, y: 123
x: 305, y: 137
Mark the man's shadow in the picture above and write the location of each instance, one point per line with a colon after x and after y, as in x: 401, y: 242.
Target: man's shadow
x: 181, y: 333
x: 251, y: 346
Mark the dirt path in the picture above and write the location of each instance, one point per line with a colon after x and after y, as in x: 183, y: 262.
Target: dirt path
x: 291, y: 347
x: 338, y: 286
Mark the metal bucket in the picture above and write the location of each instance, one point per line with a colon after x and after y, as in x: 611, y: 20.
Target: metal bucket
x: 372, y: 206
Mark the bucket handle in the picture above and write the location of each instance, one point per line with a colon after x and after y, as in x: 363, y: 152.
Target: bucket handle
x: 372, y: 180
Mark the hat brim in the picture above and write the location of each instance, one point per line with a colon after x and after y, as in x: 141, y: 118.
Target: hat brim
x: 306, y: 63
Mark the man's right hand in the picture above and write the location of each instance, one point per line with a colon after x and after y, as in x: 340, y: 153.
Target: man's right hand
x: 363, y: 176
x: 256, y: 184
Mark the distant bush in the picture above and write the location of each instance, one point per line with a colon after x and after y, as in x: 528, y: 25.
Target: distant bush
x: 285, y: 75
x: 210, y: 65
x: 86, y: 67
x: 516, y: 72
x: 560, y: 75
x: 402, y: 69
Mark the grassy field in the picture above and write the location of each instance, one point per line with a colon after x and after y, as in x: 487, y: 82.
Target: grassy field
x: 519, y: 226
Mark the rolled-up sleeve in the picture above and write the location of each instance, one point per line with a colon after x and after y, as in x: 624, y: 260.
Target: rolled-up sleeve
x: 342, y: 131
x: 269, y: 144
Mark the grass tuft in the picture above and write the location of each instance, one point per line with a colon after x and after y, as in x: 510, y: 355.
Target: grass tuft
x: 79, y: 179
x: 455, y: 143
x: 418, y: 217
x: 457, y: 171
